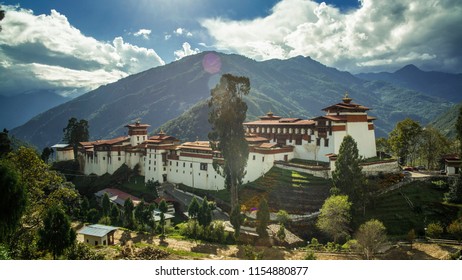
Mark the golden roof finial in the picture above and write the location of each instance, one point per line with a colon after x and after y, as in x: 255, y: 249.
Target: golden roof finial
x: 346, y: 98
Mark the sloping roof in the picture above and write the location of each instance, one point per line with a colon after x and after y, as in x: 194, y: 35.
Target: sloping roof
x: 104, y: 142
x: 97, y: 230
x: 61, y: 145
x: 117, y: 196
x: 346, y: 107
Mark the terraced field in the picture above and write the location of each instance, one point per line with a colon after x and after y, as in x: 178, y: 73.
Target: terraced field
x: 295, y: 192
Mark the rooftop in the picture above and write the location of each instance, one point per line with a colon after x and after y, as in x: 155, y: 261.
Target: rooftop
x: 97, y: 230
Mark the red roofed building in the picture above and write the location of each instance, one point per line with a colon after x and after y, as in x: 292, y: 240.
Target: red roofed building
x: 271, y: 138
x: 313, y: 139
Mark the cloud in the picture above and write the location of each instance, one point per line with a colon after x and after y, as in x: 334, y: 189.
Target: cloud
x: 46, y: 51
x: 143, y: 32
x: 180, y: 31
x: 185, y: 51
x: 379, y: 35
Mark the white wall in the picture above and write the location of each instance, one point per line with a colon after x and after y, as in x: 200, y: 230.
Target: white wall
x: 363, y: 137
x: 64, y: 155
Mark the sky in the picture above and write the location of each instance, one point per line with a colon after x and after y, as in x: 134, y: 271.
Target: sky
x: 75, y: 46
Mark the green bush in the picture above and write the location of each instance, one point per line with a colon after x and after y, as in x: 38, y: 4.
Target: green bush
x: 434, y: 230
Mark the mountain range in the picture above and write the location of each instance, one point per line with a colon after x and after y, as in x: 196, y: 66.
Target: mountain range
x: 174, y: 97
x: 16, y: 110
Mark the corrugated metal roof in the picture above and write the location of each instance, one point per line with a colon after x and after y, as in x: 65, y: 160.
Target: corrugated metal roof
x: 60, y: 146
x: 97, y: 230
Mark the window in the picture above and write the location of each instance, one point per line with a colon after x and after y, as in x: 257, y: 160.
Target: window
x: 149, y: 168
x: 298, y: 141
x: 104, y: 158
x: 190, y: 165
x: 253, y: 157
x: 149, y: 161
x: 326, y: 142
x: 262, y: 159
x: 177, y: 163
x: 318, y: 141
x: 119, y: 158
x: 138, y: 138
x: 184, y: 164
x: 170, y: 163
x: 203, y: 166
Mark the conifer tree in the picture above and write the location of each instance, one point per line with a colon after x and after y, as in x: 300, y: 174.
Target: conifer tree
x: 129, y: 221
x: 227, y: 113
x: 193, y: 209
x: 347, y: 176
x: 263, y: 218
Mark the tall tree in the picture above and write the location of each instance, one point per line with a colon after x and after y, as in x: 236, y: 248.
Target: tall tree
x: 193, y: 209
x: 347, y: 176
x: 263, y: 218
x: 140, y: 211
x: 227, y: 113
x: 204, y: 216
x: 106, y: 204
x: 129, y: 221
x: 12, y: 200
x: 56, y: 235
x: 76, y: 132
x: 163, y: 208
x: 404, y: 140
x: 335, y: 217
x: 371, y: 236
x: 432, y: 146
x: 5, y: 143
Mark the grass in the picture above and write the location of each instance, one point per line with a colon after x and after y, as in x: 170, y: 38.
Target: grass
x: 280, y: 187
x: 399, y: 216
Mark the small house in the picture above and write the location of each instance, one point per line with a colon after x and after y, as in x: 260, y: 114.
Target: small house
x: 64, y: 152
x: 452, y: 164
x: 98, y: 234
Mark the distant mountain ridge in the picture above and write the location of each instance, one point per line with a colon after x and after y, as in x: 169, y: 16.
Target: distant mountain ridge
x: 444, y: 85
x: 174, y: 96
x: 18, y: 109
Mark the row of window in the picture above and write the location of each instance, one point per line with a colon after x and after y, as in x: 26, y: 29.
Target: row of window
x: 280, y: 130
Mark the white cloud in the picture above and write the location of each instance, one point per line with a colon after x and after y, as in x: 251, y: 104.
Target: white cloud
x: 167, y: 37
x: 377, y: 35
x: 185, y: 51
x: 52, y: 53
x: 179, y: 31
x: 143, y: 32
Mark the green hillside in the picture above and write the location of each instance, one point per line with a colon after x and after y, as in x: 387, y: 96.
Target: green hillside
x: 413, y: 206
x: 446, y: 122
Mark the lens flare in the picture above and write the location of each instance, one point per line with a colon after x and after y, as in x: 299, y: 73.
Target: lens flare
x: 211, y: 63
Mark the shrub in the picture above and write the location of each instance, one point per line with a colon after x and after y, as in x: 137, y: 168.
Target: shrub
x: 434, y: 230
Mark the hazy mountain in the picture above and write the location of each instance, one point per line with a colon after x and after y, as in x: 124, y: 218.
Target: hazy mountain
x: 17, y: 109
x: 443, y: 85
x: 297, y: 87
x: 446, y: 122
